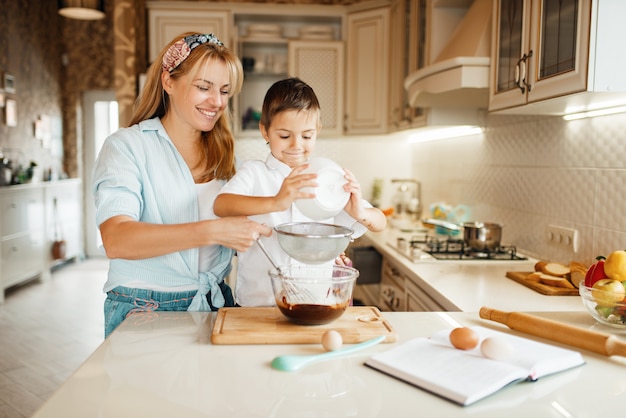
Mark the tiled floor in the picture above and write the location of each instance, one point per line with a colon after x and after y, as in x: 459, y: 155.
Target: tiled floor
x: 47, y: 329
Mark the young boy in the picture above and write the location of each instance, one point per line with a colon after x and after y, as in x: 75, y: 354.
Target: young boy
x: 266, y: 190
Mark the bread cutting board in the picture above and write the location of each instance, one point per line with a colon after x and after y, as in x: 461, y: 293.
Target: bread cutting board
x: 520, y: 277
x: 266, y: 325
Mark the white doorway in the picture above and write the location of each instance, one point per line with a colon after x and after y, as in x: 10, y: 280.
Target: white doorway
x: 101, y: 117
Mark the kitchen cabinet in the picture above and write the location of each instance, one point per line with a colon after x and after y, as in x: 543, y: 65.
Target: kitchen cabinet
x: 265, y: 63
x: 21, y: 235
x: 399, y: 67
x: 417, y: 300
x: 400, y: 293
x: 27, y: 229
x: 357, y: 73
x: 556, y: 57
x: 326, y: 80
x: 169, y: 19
x: 368, y: 71
x: 300, y: 47
x: 280, y: 45
x: 382, y: 48
x: 64, y: 208
x: 392, y: 288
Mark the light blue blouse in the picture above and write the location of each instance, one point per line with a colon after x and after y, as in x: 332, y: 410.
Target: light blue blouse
x: 140, y: 173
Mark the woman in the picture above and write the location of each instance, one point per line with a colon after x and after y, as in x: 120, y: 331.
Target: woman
x: 155, y: 182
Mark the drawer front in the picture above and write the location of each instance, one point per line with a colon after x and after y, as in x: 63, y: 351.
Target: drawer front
x: 392, y: 290
x: 21, y: 211
x: 368, y: 294
x: 420, y: 301
x: 22, y: 258
x: 68, y: 202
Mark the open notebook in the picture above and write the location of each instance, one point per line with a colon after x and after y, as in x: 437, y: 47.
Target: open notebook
x: 465, y: 377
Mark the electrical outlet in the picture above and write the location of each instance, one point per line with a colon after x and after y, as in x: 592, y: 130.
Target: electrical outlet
x: 566, y: 237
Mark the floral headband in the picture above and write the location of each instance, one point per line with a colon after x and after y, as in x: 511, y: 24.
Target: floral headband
x: 180, y: 50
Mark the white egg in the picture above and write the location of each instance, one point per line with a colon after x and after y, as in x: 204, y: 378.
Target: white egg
x: 331, y: 340
x: 497, y: 348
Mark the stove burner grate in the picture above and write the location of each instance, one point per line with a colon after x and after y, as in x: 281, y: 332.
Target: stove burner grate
x: 455, y: 249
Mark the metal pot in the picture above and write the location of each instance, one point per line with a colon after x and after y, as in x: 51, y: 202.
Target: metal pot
x: 482, y: 236
x: 479, y: 236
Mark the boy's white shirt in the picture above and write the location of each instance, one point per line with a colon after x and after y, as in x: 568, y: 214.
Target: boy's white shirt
x: 264, y: 178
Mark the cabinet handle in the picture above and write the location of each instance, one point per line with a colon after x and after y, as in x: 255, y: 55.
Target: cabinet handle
x: 518, y: 77
x: 526, y: 83
x: 521, y: 73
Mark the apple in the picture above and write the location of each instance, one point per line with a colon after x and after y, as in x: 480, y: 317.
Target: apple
x: 615, y: 265
x: 608, y: 292
x: 604, y: 311
x: 595, y: 273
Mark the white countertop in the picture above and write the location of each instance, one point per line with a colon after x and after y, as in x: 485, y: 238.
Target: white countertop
x: 469, y: 285
x: 163, y: 365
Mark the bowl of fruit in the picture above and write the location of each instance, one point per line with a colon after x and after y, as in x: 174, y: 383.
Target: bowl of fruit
x: 604, y: 290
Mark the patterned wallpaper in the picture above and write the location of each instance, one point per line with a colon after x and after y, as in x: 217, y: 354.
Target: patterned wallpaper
x: 53, y: 60
x: 30, y: 51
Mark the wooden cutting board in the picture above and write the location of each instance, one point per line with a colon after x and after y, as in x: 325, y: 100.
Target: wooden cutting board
x: 520, y: 277
x: 268, y: 326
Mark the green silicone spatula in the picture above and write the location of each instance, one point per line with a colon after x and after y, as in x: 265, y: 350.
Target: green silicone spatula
x: 290, y: 363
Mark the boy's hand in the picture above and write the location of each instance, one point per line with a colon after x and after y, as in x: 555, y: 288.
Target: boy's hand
x: 290, y: 190
x: 354, y: 207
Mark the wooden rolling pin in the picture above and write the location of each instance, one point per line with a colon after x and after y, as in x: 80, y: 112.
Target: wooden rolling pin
x: 597, y: 342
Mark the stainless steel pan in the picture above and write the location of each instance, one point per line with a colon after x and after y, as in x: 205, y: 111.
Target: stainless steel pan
x: 479, y: 236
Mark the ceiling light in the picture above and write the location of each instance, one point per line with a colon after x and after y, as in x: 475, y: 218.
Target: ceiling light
x: 444, y: 133
x: 82, y: 9
x: 597, y: 112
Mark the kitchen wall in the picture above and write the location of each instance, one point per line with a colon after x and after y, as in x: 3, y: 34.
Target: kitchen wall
x: 528, y: 172
x: 30, y: 52
x: 371, y: 157
x: 54, y: 60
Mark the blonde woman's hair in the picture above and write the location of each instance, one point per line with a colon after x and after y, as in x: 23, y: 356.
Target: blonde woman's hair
x: 218, y: 145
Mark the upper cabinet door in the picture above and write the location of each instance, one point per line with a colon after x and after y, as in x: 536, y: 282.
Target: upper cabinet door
x: 367, y: 76
x: 510, y: 46
x: 326, y: 80
x: 540, y: 50
x: 562, y: 45
x: 166, y: 23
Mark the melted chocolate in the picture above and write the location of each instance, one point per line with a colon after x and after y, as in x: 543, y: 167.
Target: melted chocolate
x: 309, y: 314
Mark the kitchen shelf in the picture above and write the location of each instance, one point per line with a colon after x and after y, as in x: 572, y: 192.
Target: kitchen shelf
x: 261, y: 40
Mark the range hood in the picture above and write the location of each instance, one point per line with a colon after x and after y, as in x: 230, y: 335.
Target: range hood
x: 459, y: 76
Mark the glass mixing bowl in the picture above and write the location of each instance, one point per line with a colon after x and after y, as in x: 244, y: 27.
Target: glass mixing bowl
x: 313, y: 295
x: 612, y: 314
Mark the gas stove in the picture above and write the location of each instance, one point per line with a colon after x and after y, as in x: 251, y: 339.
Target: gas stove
x: 425, y: 247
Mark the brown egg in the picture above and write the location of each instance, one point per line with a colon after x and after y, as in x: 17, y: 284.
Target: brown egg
x: 464, y: 338
x: 331, y: 340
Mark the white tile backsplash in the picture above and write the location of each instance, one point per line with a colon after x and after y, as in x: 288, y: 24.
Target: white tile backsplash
x: 528, y: 172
